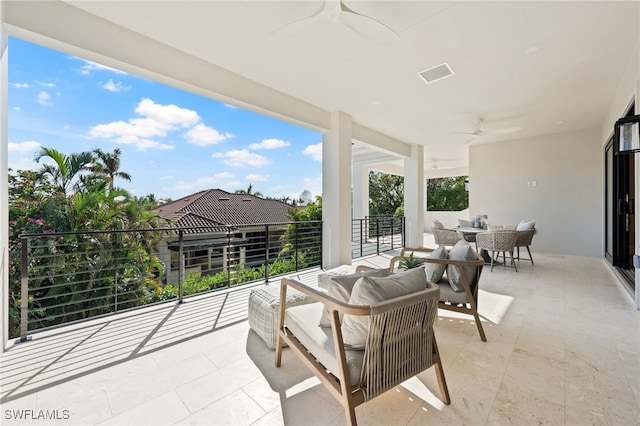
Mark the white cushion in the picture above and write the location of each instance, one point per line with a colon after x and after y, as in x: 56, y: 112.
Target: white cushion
x: 340, y: 288
x: 526, y: 225
x: 461, y: 251
x: 369, y: 291
x: 494, y: 228
x: 302, y: 321
x: 435, y: 271
x: 509, y: 227
x: 437, y: 224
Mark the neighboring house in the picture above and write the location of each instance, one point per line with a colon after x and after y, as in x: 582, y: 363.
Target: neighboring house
x: 220, y: 229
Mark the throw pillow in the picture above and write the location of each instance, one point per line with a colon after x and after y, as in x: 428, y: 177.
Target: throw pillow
x: 435, y: 271
x: 437, y: 224
x: 340, y: 288
x: 461, y: 251
x: 371, y: 290
x: 526, y: 225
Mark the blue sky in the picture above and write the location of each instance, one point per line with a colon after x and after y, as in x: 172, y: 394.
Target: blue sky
x: 173, y: 143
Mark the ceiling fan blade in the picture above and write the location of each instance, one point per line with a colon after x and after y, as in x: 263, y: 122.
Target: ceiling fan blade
x: 506, y: 130
x: 366, y: 26
x: 295, y: 26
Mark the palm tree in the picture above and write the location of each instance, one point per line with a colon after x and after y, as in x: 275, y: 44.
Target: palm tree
x: 248, y: 191
x: 65, y: 167
x: 106, y: 165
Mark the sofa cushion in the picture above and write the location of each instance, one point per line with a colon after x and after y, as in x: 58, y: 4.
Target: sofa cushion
x: 302, y: 321
x: 461, y: 251
x: 340, y: 289
x: 435, y: 271
x: 371, y: 290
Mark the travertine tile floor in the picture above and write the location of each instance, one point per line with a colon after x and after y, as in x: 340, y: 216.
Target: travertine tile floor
x: 563, y: 348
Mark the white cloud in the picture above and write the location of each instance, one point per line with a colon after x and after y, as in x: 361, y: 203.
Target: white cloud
x: 89, y: 67
x: 20, y: 85
x: 270, y: 144
x: 112, y: 86
x: 230, y: 106
x: 256, y: 178
x: 169, y: 114
x: 157, y: 121
x: 44, y: 99
x: 16, y: 108
x: 25, y: 146
x: 204, y: 135
x: 315, y: 151
x: 43, y: 84
x: 242, y: 158
x: 205, y: 182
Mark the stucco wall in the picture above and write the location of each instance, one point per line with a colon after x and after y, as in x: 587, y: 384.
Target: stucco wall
x: 567, y: 201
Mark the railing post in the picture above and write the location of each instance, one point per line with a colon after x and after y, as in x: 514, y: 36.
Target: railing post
x: 266, y: 254
x: 229, y: 262
x: 362, y: 230
x: 377, y: 235
x: 181, y: 266
x: 24, y: 291
x: 295, y: 254
x: 115, y: 305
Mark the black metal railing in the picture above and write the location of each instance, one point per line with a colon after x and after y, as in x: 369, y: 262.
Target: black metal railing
x: 73, y: 276
x: 376, y: 234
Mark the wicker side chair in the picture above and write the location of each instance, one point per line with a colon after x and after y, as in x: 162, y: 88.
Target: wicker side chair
x: 445, y: 237
x: 498, y: 242
x: 400, y: 343
x: 524, y: 240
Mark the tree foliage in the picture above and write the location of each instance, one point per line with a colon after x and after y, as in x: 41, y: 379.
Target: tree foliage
x: 447, y: 194
x: 386, y: 194
x: 78, y: 274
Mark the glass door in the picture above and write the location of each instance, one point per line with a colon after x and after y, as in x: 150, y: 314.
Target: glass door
x: 620, y: 211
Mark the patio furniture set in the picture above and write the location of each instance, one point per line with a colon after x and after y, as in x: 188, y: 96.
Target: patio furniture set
x: 363, y: 332
x: 490, y: 240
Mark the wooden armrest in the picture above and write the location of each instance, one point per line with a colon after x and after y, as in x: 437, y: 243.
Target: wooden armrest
x: 319, y: 296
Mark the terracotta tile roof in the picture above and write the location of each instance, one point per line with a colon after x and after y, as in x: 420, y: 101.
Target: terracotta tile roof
x: 215, y: 208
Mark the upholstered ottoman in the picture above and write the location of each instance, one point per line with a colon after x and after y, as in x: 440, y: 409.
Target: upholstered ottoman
x: 264, y: 303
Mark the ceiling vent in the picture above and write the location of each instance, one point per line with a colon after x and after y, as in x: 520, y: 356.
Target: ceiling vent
x: 436, y: 73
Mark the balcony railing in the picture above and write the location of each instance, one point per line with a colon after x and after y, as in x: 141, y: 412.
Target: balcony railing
x: 376, y: 234
x: 69, y: 277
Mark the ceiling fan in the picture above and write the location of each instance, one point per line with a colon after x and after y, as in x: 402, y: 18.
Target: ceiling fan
x: 436, y: 167
x: 479, y: 132
x: 335, y: 11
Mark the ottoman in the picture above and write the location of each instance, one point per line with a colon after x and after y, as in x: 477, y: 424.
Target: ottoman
x: 264, y: 305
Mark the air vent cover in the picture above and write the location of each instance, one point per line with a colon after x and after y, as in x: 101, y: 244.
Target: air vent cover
x: 436, y: 73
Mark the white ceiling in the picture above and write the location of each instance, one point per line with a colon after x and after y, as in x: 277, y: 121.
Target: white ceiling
x: 543, y: 67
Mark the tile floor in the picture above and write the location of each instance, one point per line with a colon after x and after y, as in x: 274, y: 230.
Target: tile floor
x: 563, y: 348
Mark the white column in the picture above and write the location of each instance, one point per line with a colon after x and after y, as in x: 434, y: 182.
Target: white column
x: 414, y: 197
x: 360, y: 191
x: 336, y: 192
x: 4, y: 187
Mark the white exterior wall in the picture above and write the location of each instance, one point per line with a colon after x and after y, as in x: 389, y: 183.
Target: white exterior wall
x: 567, y: 201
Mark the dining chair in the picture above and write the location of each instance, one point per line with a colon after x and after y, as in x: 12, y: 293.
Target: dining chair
x: 497, y: 242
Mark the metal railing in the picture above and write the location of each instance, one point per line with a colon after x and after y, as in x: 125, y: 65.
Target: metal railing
x: 376, y: 234
x: 74, y: 276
